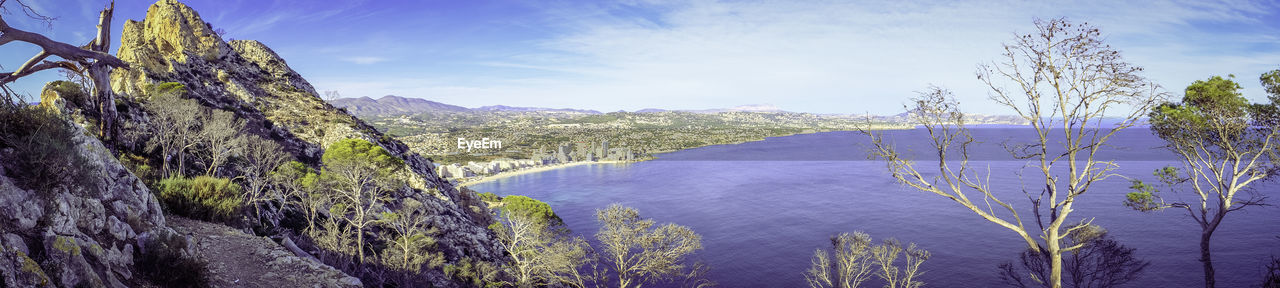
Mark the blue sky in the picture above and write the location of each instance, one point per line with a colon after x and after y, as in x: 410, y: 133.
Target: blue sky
x: 809, y: 56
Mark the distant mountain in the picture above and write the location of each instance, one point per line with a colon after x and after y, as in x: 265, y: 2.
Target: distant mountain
x: 743, y: 108
x: 533, y: 109
x: 392, y: 105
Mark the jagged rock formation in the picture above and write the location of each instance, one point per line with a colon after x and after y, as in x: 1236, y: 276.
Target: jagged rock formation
x: 88, y: 232
x: 173, y: 44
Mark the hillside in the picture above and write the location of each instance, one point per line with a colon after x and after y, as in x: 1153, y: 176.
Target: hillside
x: 193, y: 108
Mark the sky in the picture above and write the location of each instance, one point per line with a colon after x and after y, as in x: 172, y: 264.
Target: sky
x: 805, y: 56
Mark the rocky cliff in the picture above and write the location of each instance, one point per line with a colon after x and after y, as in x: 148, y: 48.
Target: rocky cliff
x: 86, y: 233
x: 173, y: 44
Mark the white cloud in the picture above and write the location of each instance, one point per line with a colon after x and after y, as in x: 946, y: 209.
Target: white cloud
x: 830, y: 56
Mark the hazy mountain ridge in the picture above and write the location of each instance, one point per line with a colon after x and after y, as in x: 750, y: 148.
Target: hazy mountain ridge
x: 392, y: 105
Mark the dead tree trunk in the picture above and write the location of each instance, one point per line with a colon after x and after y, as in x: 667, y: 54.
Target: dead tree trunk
x: 100, y: 73
x: 91, y: 59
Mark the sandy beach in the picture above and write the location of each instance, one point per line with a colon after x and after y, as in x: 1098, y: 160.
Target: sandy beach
x: 505, y: 174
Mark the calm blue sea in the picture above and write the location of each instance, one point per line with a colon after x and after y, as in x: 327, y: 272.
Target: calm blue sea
x: 764, y: 207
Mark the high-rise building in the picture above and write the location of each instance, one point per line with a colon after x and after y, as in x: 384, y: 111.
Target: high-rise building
x: 604, y: 149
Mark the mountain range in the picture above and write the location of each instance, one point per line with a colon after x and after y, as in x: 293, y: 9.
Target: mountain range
x: 395, y: 105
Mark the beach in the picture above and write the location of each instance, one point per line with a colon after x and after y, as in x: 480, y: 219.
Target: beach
x: 544, y: 168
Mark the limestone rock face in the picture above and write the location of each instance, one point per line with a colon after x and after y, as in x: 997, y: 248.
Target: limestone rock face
x: 86, y: 231
x: 173, y: 44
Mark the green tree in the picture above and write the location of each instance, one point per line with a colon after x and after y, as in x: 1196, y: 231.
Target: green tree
x: 542, y: 251
x: 638, y: 252
x: 1224, y: 144
x: 360, y: 176
x: 1062, y: 80
x: 298, y: 182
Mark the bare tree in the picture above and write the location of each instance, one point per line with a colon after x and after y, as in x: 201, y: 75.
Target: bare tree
x: 176, y: 125
x: 412, y: 241
x: 850, y: 266
x: 219, y: 138
x: 1224, y: 144
x: 856, y: 259
x: 886, y: 256
x: 637, y: 252
x: 1065, y: 81
x: 260, y: 156
x: 91, y: 59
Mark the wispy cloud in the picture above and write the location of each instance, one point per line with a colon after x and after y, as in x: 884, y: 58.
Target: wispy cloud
x: 816, y: 56
x: 365, y: 60
x: 836, y: 56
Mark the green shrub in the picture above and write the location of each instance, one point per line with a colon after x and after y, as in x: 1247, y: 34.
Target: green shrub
x: 205, y: 198
x: 45, y: 152
x: 536, y: 210
x: 163, y: 264
x: 139, y: 166
x: 73, y: 93
x: 489, y: 197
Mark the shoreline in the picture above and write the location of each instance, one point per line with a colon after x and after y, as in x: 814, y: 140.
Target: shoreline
x: 544, y: 168
x: 506, y: 174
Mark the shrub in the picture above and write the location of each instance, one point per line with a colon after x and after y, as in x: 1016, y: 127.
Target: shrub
x: 162, y: 263
x: 536, y: 210
x: 45, y: 153
x: 205, y: 198
x: 139, y: 166
x: 73, y: 93
x: 489, y: 197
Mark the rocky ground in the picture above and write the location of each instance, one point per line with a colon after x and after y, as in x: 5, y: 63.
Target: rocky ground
x: 238, y: 259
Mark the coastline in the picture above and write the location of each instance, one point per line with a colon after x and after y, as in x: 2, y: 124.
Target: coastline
x: 505, y: 174
x: 544, y: 168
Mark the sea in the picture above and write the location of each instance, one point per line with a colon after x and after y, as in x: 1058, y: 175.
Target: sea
x: 764, y: 207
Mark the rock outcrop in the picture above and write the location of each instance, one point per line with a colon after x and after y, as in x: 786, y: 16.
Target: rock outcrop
x: 87, y: 233
x: 173, y: 44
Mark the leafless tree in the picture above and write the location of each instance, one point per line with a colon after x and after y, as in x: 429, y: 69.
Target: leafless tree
x: 219, y: 138
x: 1065, y: 80
x: 412, y: 240
x: 176, y: 125
x: 856, y: 259
x: 637, y: 252
x: 850, y: 266
x: 259, y: 158
x: 91, y: 59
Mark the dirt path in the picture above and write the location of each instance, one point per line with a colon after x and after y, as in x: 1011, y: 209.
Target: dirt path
x: 237, y: 259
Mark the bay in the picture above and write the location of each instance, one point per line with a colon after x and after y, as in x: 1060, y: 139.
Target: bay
x: 764, y: 207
